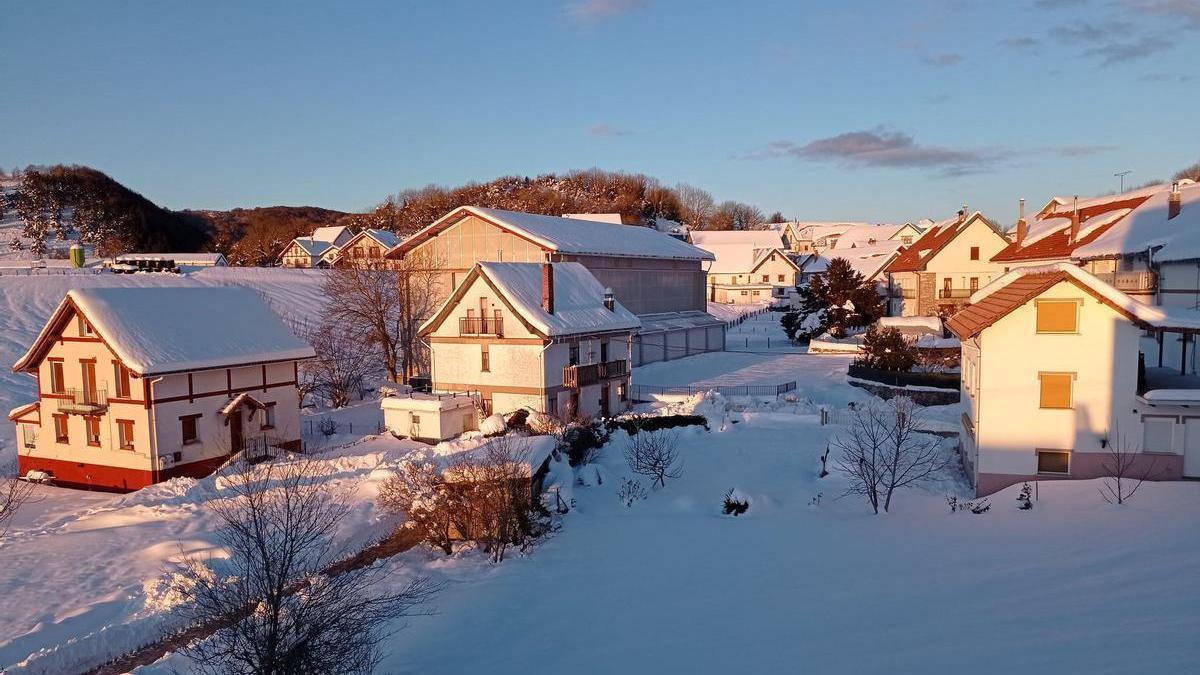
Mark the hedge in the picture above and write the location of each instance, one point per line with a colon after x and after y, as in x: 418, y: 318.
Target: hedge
x: 897, y: 378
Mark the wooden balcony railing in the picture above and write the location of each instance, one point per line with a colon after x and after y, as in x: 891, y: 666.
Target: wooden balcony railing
x: 481, y: 326
x: 575, y: 377
x: 83, y: 401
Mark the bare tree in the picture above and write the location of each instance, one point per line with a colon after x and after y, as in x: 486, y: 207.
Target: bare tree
x: 910, y: 456
x: 277, y: 602
x: 655, y: 455
x: 731, y: 215
x: 862, y: 448
x: 420, y: 492
x: 1122, y: 474
x: 342, y: 365
x: 421, y: 292
x: 13, y: 493
x: 1192, y: 172
x: 696, y: 205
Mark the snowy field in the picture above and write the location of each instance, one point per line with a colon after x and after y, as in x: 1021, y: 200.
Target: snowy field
x: 804, y: 582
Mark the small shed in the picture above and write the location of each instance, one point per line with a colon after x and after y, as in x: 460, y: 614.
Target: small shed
x: 430, y: 417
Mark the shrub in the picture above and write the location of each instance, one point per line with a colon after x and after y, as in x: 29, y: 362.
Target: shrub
x: 493, y: 426
x: 977, y: 506
x: 887, y: 349
x: 1025, y: 499
x: 734, y: 506
x: 327, y: 426
x: 518, y: 420
x: 632, y: 425
x: 582, y: 441
x: 631, y: 490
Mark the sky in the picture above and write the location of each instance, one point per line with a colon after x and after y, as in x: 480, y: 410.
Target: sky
x: 876, y: 111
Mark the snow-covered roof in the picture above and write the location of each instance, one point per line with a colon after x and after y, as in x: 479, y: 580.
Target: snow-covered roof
x: 863, y: 235
x: 931, y: 324
x: 429, y: 402
x: 665, y: 321
x: 330, y: 233
x: 166, y: 329
x: 568, y: 235
x: 867, y: 260
x: 748, y: 238
x: 1148, y: 227
x: 385, y: 238
x: 313, y: 247
x: 614, y: 218
x: 578, y: 299
x: 1025, y: 283
x: 1065, y: 205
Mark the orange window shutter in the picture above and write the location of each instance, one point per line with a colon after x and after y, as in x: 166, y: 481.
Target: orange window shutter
x: 1056, y: 389
x: 1057, y: 316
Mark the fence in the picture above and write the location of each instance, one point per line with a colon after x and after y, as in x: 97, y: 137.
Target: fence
x: 903, y: 379
x: 642, y: 392
x: 748, y: 315
x: 47, y: 271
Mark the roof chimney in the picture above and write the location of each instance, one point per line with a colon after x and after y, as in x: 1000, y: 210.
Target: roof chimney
x: 609, y: 303
x: 1022, y: 227
x: 1074, y: 221
x: 1174, y: 201
x: 548, y: 287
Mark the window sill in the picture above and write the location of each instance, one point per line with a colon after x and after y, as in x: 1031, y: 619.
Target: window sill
x: 1050, y: 474
x: 194, y: 441
x: 128, y: 448
x: 266, y: 428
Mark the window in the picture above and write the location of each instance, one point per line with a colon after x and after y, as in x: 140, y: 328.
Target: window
x: 125, y: 434
x: 485, y: 358
x: 781, y: 277
x: 573, y: 354
x: 188, y: 424
x: 414, y: 418
x: 553, y: 407
x: 1054, y: 461
x: 974, y: 253
x: 756, y: 294
x: 1157, y: 434
x: 622, y: 392
x: 268, y: 416
x: 974, y: 284
x: 91, y: 426
x: 358, y: 251
x: 1057, y: 316
x: 29, y: 436
x: 745, y: 293
x: 373, y: 252
x: 57, y: 384
x: 60, y: 429
x: 121, y: 377
x: 906, y: 240
x: 85, y: 328
x: 766, y: 278
x: 1056, y: 389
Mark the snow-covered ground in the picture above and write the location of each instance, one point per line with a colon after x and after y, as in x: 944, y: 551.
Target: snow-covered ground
x: 761, y: 333
x: 729, y: 312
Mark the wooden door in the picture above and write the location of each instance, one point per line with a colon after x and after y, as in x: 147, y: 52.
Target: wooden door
x: 236, y: 440
x: 604, y: 410
x: 89, y: 380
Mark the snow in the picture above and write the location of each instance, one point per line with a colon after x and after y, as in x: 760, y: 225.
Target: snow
x: 1173, y: 395
x: 313, y: 247
x: 330, y: 233
x: 567, y: 235
x: 930, y: 323
x: 738, y: 258
x: 578, y: 298
x: 185, y: 259
x: 732, y: 311
x: 751, y: 239
x: 171, y: 329
x: 613, y: 218
x: 867, y: 260
x: 432, y: 402
x: 492, y: 425
x: 1166, y: 318
x: 386, y: 238
x: 1148, y: 227
x: 860, y: 235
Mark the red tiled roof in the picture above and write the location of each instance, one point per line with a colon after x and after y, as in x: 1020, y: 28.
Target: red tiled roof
x: 914, y: 258
x: 1058, y: 245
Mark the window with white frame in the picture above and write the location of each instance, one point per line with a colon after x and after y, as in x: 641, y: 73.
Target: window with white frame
x: 1157, y: 434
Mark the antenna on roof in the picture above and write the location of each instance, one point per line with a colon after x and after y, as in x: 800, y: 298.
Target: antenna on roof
x: 1121, y: 175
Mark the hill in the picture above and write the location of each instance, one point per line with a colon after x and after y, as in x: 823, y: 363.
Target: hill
x: 257, y: 236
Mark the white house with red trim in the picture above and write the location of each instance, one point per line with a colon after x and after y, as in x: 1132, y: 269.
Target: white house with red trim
x: 1053, y: 376
x: 140, y: 385
x: 366, y: 249
x: 544, y: 336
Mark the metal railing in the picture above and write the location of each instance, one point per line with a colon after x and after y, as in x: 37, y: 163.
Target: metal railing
x: 1129, y: 281
x: 642, y: 392
x: 955, y: 293
x: 472, y: 325
x: 86, y: 401
x: 581, y: 376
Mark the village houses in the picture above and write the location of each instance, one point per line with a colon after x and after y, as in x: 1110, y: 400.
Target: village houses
x: 367, y: 249
x: 139, y: 385
x: 751, y: 266
x: 544, y: 336
x: 317, y: 250
x: 657, y: 277
x: 1054, y: 374
x: 942, y: 268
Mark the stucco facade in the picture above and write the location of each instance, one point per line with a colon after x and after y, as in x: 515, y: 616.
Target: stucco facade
x: 769, y: 278
x: 943, y: 280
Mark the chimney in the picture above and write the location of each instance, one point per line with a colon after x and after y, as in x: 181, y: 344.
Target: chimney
x: 609, y: 304
x: 1022, y: 227
x: 1074, y: 222
x: 548, y: 287
x: 1174, y: 201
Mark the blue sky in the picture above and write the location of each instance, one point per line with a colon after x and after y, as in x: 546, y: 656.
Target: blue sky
x: 850, y: 110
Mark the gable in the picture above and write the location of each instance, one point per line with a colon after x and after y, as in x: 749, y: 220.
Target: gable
x: 473, y: 239
x: 468, y: 295
x: 956, y: 250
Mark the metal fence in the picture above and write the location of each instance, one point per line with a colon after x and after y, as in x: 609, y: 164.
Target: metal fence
x: 643, y: 392
x: 47, y: 271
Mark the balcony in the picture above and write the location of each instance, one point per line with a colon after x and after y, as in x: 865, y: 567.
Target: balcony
x: 83, y: 401
x: 960, y: 294
x: 901, y: 292
x: 575, y: 377
x: 1128, y: 281
x: 472, y: 325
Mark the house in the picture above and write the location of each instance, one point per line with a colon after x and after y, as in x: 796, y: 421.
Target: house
x: 544, y: 336
x: 1052, y: 378
x: 750, y: 266
x: 944, y: 266
x: 818, y: 237
x: 367, y: 249
x: 870, y: 260
x: 319, y: 250
x: 651, y: 274
x: 139, y: 385
x: 870, y: 235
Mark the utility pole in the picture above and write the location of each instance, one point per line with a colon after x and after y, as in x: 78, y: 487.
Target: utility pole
x: 1121, y: 175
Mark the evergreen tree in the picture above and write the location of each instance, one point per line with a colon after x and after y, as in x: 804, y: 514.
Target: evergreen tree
x: 887, y: 349
x: 842, y: 299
